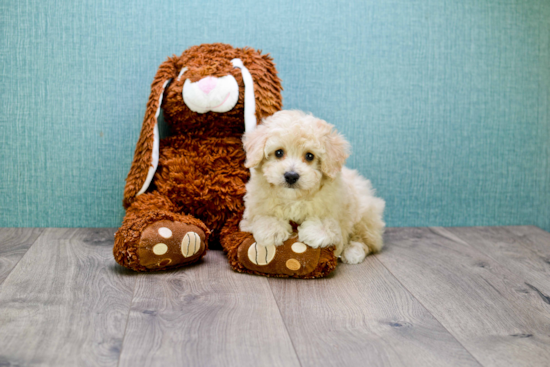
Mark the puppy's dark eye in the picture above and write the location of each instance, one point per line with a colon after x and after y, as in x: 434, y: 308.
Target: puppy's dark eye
x: 279, y: 153
x: 309, y: 157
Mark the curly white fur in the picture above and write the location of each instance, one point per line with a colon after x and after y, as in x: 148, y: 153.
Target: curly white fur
x: 332, y: 204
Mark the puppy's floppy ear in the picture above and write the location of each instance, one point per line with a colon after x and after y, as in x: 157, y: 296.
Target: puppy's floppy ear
x: 336, y: 152
x: 147, y: 149
x: 254, y: 145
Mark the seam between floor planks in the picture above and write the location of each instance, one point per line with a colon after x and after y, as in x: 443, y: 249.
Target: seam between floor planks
x: 127, y: 320
x: 428, y: 310
x: 284, y: 324
x: 18, y: 260
x: 40, y: 231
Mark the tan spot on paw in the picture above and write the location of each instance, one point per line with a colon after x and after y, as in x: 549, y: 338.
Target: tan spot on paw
x: 261, y: 255
x: 160, y: 249
x: 299, y: 247
x: 293, y: 264
x: 165, y: 232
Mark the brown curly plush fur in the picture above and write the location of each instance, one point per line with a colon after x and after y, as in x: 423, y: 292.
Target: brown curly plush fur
x: 200, y: 179
x: 148, y: 208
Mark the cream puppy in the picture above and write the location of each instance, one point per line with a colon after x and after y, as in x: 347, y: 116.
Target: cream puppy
x: 297, y: 174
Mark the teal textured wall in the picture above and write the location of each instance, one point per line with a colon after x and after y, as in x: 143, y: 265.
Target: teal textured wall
x: 446, y: 102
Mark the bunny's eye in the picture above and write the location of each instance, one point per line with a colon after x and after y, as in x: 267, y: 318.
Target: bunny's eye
x: 279, y: 153
x: 309, y: 157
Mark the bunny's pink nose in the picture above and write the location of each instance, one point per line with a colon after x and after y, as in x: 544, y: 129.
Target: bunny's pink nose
x: 207, y: 84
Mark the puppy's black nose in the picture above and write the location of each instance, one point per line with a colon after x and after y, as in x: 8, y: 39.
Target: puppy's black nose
x: 291, y: 177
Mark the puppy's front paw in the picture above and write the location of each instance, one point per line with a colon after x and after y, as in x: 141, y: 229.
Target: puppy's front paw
x: 268, y: 238
x: 269, y: 231
x: 315, y: 234
x: 354, y: 253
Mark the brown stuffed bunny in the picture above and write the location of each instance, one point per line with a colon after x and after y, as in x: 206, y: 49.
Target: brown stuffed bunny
x: 186, y: 191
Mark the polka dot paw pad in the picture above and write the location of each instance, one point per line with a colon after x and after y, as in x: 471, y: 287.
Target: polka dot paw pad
x: 291, y: 258
x: 167, y: 244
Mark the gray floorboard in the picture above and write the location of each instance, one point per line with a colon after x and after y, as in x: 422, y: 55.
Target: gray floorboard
x: 534, y: 239
x: 65, y: 303
x: 481, y: 302
x: 14, y: 243
x: 362, y: 316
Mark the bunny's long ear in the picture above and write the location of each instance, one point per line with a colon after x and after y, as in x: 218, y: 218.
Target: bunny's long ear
x: 264, y: 86
x: 146, y: 156
x: 249, y: 99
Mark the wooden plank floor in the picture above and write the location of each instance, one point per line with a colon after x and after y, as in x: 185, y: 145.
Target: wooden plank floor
x: 433, y: 297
